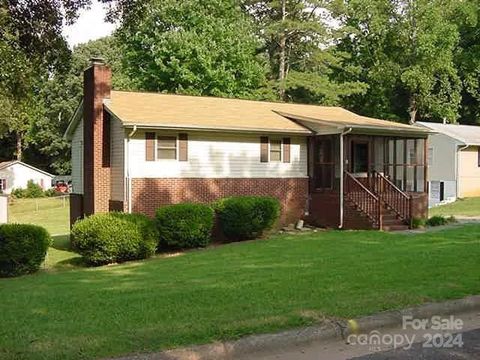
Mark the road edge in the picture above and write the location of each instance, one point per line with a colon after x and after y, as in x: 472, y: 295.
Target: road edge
x: 328, y: 330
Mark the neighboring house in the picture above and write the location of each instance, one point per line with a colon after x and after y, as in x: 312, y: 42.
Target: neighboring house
x: 454, y: 161
x: 135, y: 152
x: 16, y: 174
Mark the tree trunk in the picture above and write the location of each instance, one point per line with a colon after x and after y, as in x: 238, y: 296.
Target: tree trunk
x: 412, y: 110
x: 19, y: 146
x: 282, y: 43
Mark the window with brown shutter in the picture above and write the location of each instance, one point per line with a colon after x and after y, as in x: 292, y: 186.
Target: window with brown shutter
x: 264, y: 149
x: 183, y: 147
x: 286, y: 150
x: 276, y: 150
x: 150, y: 146
x: 166, y: 147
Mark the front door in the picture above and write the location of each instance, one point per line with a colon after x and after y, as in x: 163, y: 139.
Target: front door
x: 360, y: 155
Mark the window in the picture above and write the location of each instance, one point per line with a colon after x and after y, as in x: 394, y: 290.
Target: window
x: 478, y: 153
x: 3, y: 184
x: 275, y: 150
x: 167, y: 147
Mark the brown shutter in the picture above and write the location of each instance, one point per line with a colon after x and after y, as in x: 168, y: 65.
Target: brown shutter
x: 286, y: 150
x: 264, y: 149
x: 150, y: 146
x: 183, y: 147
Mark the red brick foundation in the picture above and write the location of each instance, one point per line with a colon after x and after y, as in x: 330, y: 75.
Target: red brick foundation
x: 149, y: 194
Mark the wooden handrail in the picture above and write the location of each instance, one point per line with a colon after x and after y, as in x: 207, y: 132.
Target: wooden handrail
x: 392, y: 196
x: 365, y: 200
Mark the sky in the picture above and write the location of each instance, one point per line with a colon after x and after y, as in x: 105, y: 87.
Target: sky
x: 89, y: 26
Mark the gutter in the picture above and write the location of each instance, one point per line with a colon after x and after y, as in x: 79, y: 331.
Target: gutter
x: 340, y: 225
x: 127, y: 165
x: 457, y: 168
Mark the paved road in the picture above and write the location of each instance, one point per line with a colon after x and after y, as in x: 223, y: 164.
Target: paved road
x: 469, y: 351
x: 338, y: 349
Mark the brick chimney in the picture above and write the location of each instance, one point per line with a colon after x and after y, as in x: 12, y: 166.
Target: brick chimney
x: 96, y: 137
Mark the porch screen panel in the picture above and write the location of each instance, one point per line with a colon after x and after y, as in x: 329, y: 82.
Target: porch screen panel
x: 379, y: 155
x: 390, y: 159
x: 410, y: 165
x: 324, y: 164
x: 420, y: 168
x: 399, y: 161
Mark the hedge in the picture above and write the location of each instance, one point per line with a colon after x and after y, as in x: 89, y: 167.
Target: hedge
x: 114, y: 237
x: 23, y: 248
x: 184, y: 226
x: 247, y: 217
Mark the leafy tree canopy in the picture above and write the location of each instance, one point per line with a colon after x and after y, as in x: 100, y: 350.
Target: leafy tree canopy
x: 203, y: 47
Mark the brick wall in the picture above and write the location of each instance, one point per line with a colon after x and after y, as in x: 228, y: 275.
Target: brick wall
x: 96, y: 87
x: 149, y: 194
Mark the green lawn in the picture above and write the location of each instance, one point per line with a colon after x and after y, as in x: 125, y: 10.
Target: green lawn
x: 466, y: 207
x: 229, y: 291
x: 51, y: 213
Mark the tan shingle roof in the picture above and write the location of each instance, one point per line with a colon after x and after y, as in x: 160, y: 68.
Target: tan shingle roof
x: 155, y: 109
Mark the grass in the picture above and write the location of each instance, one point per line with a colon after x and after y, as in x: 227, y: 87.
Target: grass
x: 51, y: 213
x: 230, y: 291
x: 465, y: 207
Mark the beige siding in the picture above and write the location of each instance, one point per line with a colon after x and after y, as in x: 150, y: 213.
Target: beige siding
x: 219, y: 155
x: 469, y: 172
x: 117, y: 177
x: 77, y: 159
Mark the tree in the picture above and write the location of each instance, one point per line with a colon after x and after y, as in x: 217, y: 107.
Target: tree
x: 60, y: 96
x: 31, y: 47
x: 299, y: 44
x: 406, y: 50
x: 467, y: 59
x: 203, y: 47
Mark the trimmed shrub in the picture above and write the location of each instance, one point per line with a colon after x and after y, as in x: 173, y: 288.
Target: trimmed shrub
x: 185, y: 226
x: 22, y: 248
x: 18, y: 193
x: 32, y: 190
x: 437, y: 220
x: 52, y: 192
x: 147, y: 228
x: 247, y: 217
x: 114, y: 237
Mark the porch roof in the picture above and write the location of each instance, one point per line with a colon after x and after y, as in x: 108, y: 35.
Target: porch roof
x: 357, y: 124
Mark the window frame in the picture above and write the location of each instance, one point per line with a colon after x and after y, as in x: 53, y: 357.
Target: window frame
x: 157, y: 138
x: 280, y: 141
x: 3, y: 184
x: 478, y: 156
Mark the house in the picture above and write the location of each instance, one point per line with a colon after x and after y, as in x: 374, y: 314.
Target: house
x: 135, y: 151
x: 454, y: 160
x: 16, y: 174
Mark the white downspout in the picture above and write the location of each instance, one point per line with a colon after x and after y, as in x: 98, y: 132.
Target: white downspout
x: 340, y: 225
x: 129, y: 178
x: 457, y: 170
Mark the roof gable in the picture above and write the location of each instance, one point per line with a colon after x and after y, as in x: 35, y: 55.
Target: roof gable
x: 7, y: 164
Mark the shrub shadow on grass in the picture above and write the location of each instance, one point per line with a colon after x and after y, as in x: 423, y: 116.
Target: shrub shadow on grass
x: 61, y: 242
